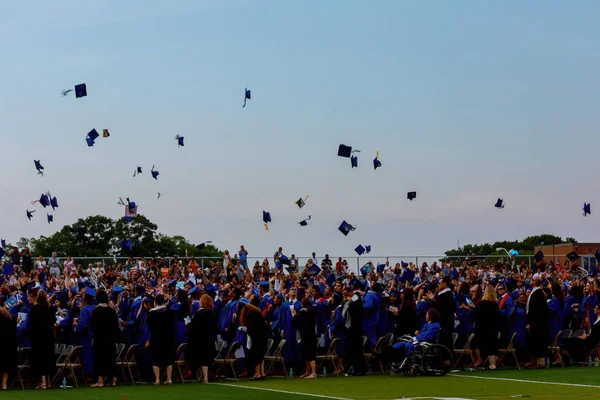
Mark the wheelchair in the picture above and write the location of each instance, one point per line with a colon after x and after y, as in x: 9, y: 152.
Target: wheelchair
x: 430, y: 359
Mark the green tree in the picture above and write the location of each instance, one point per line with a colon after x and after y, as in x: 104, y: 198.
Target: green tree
x: 524, y: 247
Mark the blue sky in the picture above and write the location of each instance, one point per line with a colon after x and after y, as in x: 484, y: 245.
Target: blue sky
x: 466, y: 102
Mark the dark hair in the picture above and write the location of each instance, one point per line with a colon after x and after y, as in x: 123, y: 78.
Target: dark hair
x: 42, y: 299
x: 101, y: 296
x: 408, y: 300
x: 433, y: 314
x: 306, y: 304
x: 182, y: 298
x: 159, y: 299
x: 557, y: 292
x: 464, y: 288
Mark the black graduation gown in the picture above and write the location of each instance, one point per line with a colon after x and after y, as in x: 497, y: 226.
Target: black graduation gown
x: 162, y: 337
x: 201, y: 333
x: 487, y: 320
x: 257, y: 330
x: 354, y: 347
x: 41, y: 322
x: 104, y: 325
x: 407, y: 322
x: 538, y: 320
x: 304, y: 322
x: 8, y: 344
x: 446, y: 306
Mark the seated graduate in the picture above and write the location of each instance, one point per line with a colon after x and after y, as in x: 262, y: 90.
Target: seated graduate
x: 578, y: 348
x: 428, y: 334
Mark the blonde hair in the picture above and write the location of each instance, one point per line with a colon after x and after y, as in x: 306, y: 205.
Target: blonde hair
x: 207, y: 302
x: 489, y: 294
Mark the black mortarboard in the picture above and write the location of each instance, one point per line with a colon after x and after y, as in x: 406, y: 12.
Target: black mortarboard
x: 62, y: 296
x: 354, y: 161
x: 380, y: 268
x: 39, y: 167
x: 376, y: 162
x: 572, y: 256
x: 314, y: 270
x: 139, y: 170
x: 149, y: 299
x: 172, y: 283
x: 304, y: 222
x: 411, y: 195
x: 3, y: 243
x: 91, y: 137
x: 44, y: 200
x: 247, y: 96
x: 154, y: 173
x: 586, y: 209
x: 266, y: 217
x: 105, y: 133
x: 301, y: 202
x: 139, y: 290
x: 264, y: 286
x: 179, y: 140
x: 203, y: 245
x: 50, y: 218
x: 80, y: 90
x: 345, y: 228
x: 408, y: 275
x: 499, y: 203
x: 54, y: 203
x: 193, y: 291
x: 27, y: 286
x: 368, y: 248
x: 344, y: 151
x: 30, y: 214
x: 539, y: 256
x: 360, y: 250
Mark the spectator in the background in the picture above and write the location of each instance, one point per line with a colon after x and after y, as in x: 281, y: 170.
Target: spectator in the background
x: 15, y: 257
x: 27, y: 265
x: 314, y: 258
x: 68, y: 266
x: 226, y: 258
x: 293, y: 263
x: 40, y: 264
x: 243, y: 256
x: 326, y: 263
x: 54, y: 265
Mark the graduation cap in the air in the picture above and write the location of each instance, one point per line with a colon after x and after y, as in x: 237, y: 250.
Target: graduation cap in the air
x: 158, y: 197
x: 587, y: 209
x: 127, y: 245
x: 304, y: 222
x: 80, y: 90
x: 44, y: 200
x: 499, y: 203
x: 363, y: 272
x: 539, y: 256
x: 266, y: 219
x: 345, y: 228
x: 105, y: 133
x: 411, y: 195
x: 360, y: 250
x: 314, y: 269
x: 54, y: 203
x: 179, y: 141
x: 573, y: 256
x: 39, y: 167
x: 346, y: 151
x: 368, y: 248
x: 376, y: 162
x: 354, y: 161
x: 30, y: 214
x: 154, y: 173
x: 301, y: 202
x: 139, y: 170
x: 50, y: 218
x: 380, y: 268
x: 91, y: 137
x: 203, y: 245
x: 247, y: 96
x: 3, y: 243
x: 193, y: 291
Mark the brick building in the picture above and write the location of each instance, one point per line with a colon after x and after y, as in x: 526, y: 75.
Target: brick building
x: 558, y: 252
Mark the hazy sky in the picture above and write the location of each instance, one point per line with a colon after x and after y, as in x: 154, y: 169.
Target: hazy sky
x: 466, y: 102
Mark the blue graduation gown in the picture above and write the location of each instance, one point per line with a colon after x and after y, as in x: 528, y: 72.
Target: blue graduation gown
x: 588, y: 303
x: 370, y: 321
x: 85, y: 339
x: 556, y: 318
x: 179, y: 324
x: 227, y: 327
x: 336, y: 330
x: 143, y: 356
x: 218, y: 307
x: 194, y: 307
x: 264, y: 301
x: 132, y: 330
x: 422, y: 308
x: 291, y: 351
x: 517, y: 324
x: 320, y: 310
x: 462, y: 315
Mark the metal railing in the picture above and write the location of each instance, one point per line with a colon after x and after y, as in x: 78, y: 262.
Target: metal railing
x: 354, y: 262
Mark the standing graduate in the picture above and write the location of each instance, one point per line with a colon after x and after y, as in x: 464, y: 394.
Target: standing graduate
x: 253, y: 323
x: 537, y: 324
x: 506, y: 306
x: 8, y: 343
x: 181, y: 310
x: 291, y: 352
x: 370, y: 321
x: 82, y: 330
x: 304, y: 322
x: 336, y: 330
x: 487, y: 319
x: 407, y: 320
x: 227, y: 326
x: 202, y: 335
x: 41, y: 334
x: 161, y: 343
x: 353, y: 313
x: 104, y: 327
x: 556, y: 304
x: 446, y: 306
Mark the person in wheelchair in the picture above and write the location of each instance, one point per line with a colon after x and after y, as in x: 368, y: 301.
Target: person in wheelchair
x: 404, y: 348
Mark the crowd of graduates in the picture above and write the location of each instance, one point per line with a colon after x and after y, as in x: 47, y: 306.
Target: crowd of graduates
x: 160, y: 304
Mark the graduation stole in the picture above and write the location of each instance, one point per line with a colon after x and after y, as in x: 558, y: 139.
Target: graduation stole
x: 504, y: 298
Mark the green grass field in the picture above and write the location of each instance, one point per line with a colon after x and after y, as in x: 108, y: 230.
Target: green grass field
x: 563, y: 384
